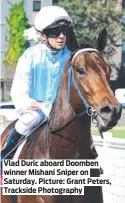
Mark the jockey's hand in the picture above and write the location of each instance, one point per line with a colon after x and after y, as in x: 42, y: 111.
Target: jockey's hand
x: 46, y: 108
x: 36, y: 105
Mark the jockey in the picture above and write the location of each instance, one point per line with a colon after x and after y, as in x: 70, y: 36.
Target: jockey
x: 38, y: 73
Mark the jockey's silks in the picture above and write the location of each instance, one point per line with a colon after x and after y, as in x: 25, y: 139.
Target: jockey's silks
x: 45, y: 73
x: 37, y: 76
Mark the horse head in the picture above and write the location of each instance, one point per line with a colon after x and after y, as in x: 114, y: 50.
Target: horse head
x: 91, y: 76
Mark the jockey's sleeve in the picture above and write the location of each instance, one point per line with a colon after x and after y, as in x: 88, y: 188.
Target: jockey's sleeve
x: 21, y: 82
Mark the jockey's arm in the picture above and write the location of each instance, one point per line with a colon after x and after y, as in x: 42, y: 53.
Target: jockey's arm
x: 20, y: 88
x: 21, y: 82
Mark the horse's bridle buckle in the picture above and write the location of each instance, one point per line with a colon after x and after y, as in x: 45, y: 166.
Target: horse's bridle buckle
x: 90, y: 111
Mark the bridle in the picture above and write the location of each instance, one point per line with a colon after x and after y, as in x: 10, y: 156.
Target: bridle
x: 88, y: 109
x: 71, y: 80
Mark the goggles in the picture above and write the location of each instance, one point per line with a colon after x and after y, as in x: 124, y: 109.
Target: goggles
x: 55, y: 32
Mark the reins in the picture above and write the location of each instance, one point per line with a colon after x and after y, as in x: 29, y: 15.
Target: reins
x: 56, y: 130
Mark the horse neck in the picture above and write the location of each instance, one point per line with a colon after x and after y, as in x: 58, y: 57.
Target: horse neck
x: 62, y: 111
x: 77, y: 133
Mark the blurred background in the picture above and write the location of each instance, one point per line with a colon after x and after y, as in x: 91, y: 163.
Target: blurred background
x: 89, y: 18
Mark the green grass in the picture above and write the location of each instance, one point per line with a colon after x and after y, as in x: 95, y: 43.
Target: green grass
x: 118, y: 132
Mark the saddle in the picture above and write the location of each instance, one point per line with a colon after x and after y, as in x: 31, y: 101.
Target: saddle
x: 7, y: 134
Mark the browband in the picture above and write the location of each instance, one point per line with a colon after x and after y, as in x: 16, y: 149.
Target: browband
x: 84, y: 50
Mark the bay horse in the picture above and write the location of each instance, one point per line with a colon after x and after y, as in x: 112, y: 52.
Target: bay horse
x: 84, y: 84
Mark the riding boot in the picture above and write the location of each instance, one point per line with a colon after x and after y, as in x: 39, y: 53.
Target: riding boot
x: 11, y: 144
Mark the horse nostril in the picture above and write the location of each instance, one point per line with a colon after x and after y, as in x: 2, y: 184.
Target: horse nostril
x: 106, y: 110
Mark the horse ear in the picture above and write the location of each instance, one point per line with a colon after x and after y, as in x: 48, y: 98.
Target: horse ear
x: 102, y: 40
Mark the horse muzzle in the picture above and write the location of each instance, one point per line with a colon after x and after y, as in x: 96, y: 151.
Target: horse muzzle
x: 108, y: 116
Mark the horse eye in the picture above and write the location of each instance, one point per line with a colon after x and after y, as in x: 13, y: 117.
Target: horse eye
x: 80, y: 70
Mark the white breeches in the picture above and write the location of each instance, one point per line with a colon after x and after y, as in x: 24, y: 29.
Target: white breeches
x: 29, y: 120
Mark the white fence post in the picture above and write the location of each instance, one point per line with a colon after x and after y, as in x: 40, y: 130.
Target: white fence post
x: 106, y: 163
